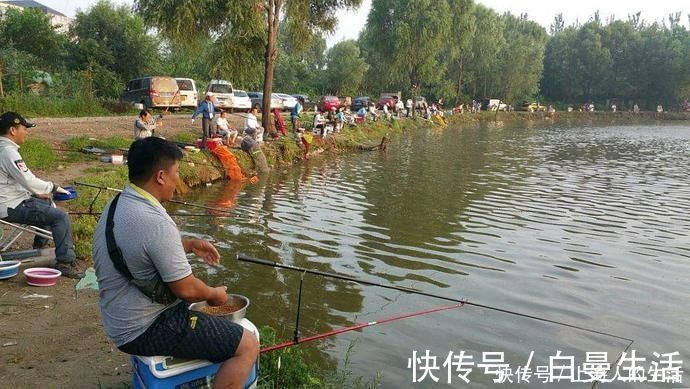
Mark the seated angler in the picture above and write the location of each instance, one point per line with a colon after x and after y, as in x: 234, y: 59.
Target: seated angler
x: 26, y: 199
x: 146, y: 281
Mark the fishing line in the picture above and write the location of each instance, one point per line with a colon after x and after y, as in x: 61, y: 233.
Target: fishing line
x: 170, y: 201
x: 245, y: 258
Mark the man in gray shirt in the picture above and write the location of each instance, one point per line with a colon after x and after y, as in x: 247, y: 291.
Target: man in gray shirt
x: 26, y: 199
x: 151, y: 248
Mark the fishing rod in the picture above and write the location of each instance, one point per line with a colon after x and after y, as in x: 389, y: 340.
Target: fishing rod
x: 246, y: 258
x: 169, y: 214
x: 355, y: 327
x: 172, y: 201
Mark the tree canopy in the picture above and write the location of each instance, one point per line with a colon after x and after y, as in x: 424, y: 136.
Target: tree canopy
x: 453, y: 49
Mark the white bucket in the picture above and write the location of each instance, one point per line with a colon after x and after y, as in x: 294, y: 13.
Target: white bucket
x: 139, y: 106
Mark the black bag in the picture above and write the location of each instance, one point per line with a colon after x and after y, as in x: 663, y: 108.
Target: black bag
x: 156, y: 289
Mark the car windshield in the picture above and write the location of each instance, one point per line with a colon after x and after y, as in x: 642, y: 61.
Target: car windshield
x: 220, y: 88
x: 185, y: 84
x: 241, y: 94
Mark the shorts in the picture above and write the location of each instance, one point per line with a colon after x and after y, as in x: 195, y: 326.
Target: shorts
x: 176, y: 333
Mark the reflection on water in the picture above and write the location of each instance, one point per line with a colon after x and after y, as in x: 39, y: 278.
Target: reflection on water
x: 583, y: 225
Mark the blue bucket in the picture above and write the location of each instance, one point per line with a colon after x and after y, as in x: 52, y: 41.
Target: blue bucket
x: 9, y: 269
x: 64, y: 197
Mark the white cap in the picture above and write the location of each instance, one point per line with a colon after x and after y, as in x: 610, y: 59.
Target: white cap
x: 210, y: 94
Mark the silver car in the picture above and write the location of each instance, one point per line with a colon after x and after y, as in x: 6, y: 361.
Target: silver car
x: 241, y: 101
x: 257, y: 99
x: 288, y: 102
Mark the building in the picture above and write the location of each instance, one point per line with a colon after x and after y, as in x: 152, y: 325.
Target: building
x: 57, y: 18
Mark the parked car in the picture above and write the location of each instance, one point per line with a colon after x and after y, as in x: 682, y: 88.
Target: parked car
x: 327, y: 102
x: 257, y: 99
x: 533, y: 107
x: 493, y: 104
x: 419, y: 102
x: 189, y: 97
x: 288, y: 102
x: 359, y: 102
x: 222, y: 92
x: 308, y: 104
x: 152, y: 92
x: 388, y: 99
x: 241, y: 101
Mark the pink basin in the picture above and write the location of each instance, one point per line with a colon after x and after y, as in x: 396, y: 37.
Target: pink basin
x: 41, y: 276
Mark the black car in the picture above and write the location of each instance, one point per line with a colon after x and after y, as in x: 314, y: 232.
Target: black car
x: 359, y: 102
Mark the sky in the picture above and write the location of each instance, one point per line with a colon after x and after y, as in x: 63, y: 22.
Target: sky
x: 541, y: 11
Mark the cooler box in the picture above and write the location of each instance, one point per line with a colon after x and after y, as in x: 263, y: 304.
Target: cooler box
x: 162, y: 372
x: 211, y: 143
x: 359, y: 120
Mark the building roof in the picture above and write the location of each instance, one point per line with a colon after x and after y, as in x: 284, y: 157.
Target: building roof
x: 33, y: 4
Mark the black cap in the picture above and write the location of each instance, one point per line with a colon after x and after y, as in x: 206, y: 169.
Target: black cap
x: 9, y: 119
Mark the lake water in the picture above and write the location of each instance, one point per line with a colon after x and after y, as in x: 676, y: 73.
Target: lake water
x: 579, y: 224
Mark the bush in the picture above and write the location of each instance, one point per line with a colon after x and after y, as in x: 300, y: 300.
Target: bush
x: 30, y: 105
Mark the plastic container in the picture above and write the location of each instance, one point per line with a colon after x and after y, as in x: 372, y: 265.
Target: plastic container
x: 160, y: 372
x: 117, y: 159
x: 64, y: 197
x: 42, y: 276
x: 9, y: 269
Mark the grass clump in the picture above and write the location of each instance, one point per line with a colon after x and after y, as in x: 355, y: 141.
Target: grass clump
x: 185, y: 137
x: 288, y: 368
x: 285, y: 368
x: 89, y: 199
x: 113, y: 143
x: 37, y: 154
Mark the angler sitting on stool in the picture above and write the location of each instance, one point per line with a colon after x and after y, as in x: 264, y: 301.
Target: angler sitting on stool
x: 145, y: 279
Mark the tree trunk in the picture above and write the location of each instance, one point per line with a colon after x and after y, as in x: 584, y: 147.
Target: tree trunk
x: 273, y: 11
x: 458, y: 94
x: 2, y: 88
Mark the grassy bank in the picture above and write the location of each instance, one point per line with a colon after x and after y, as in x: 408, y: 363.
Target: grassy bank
x: 603, y: 117
x: 31, y: 105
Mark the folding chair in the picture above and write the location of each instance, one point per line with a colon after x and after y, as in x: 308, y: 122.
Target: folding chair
x: 16, y: 230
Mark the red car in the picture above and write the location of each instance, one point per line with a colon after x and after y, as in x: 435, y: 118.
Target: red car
x: 327, y: 102
x: 390, y: 101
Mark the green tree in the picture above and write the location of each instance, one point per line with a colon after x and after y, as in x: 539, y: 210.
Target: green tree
x: 521, y: 60
x: 421, y: 28
x: 487, y: 43
x: 112, y: 42
x: 457, y: 52
x: 300, y: 71
x: 345, y: 69
x: 246, y: 21
x: 376, y: 46
x: 30, y: 31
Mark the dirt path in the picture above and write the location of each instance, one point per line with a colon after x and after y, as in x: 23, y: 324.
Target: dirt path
x: 57, y: 341
x: 57, y: 130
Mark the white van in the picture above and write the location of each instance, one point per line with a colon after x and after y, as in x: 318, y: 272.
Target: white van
x: 188, y: 93
x: 223, y: 93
